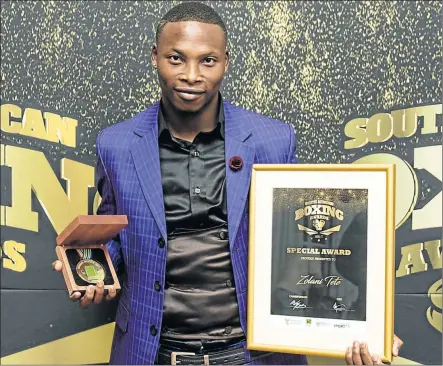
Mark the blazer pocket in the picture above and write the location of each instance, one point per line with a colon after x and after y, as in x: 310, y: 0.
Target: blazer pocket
x: 122, y: 317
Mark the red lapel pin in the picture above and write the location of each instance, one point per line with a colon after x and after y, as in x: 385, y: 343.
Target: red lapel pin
x: 236, y: 163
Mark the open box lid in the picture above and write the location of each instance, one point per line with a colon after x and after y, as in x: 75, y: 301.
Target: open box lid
x: 92, y: 229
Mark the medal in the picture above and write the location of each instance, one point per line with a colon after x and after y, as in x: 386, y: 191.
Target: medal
x: 88, y: 269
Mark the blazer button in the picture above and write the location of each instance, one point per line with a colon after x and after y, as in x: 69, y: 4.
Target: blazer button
x: 161, y: 242
x: 228, y: 330
x: 223, y: 234
x: 157, y: 286
x: 153, y: 330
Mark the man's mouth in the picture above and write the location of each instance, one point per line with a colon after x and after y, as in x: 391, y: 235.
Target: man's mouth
x: 189, y: 94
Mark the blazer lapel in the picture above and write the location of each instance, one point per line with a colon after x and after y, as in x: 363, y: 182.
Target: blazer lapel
x: 145, y: 154
x: 237, y: 182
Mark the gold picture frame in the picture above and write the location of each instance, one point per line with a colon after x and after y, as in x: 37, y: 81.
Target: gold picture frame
x: 259, y: 316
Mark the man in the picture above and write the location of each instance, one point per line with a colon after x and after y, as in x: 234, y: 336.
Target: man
x: 180, y: 171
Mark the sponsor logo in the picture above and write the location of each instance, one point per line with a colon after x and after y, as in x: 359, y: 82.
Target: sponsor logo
x: 322, y: 324
x: 293, y: 321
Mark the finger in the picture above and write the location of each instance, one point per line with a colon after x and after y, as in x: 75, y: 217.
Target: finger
x: 348, y: 356
x: 88, y: 297
x: 75, y: 296
x: 365, y: 355
x: 398, y: 343
x: 376, y: 360
x: 99, y: 289
x: 111, y: 294
x: 57, y: 266
x: 356, y: 359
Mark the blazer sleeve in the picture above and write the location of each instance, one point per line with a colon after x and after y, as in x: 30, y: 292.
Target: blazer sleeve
x: 107, y: 206
x: 292, y: 146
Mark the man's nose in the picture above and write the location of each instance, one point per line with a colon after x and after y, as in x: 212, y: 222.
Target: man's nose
x: 192, y: 73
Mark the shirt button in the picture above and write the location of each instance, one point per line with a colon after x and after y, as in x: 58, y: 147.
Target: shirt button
x: 229, y: 283
x: 153, y: 330
x: 157, y: 286
x: 228, y: 330
x: 197, y: 190
x: 161, y: 242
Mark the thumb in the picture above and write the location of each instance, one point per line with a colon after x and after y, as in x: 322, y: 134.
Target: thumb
x: 398, y: 343
x: 57, y: 266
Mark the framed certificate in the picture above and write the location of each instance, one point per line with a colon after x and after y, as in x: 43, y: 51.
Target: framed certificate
x: 321, y: 259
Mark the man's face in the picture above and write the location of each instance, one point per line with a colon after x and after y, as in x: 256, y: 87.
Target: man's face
x: 191, y: 59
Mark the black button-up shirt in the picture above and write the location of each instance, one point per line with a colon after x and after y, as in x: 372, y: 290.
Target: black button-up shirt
x: 200, y: 303
x: 193, y: 178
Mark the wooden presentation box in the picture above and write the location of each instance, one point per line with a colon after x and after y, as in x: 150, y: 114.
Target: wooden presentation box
x: 82, y: 249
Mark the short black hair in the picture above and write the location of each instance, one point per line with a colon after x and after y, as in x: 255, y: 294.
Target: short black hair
x: 191, y: 11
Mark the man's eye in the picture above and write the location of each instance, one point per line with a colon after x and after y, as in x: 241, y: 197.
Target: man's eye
x: 174, y: 58
x: 209, y: 60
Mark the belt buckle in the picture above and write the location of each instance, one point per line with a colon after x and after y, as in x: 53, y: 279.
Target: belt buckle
x: 175, y: 354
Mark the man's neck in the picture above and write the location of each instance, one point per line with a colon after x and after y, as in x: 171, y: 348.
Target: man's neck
x: 187, y: 126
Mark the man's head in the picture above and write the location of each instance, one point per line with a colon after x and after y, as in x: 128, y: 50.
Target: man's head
x: 191, y: 56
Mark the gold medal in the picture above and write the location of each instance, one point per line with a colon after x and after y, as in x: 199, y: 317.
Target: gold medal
x: 88, y: 269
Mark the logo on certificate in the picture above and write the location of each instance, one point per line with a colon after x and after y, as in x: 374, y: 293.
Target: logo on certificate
x: 322, y: 324
x: 293, y: 321
x: 321, y: 219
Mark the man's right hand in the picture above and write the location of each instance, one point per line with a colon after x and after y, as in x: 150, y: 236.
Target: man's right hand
x: 93, y: 294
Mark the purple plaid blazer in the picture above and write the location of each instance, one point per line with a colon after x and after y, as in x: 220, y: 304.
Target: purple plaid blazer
x: 129, y: 182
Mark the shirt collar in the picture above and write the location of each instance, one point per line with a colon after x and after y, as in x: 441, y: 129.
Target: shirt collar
x: 220, y: 125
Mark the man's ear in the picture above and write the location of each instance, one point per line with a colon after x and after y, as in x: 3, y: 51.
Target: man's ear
x: 227, y: 60
x: 154, y: 56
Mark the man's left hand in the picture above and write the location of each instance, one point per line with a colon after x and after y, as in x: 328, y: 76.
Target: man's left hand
x: 359, y: 353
